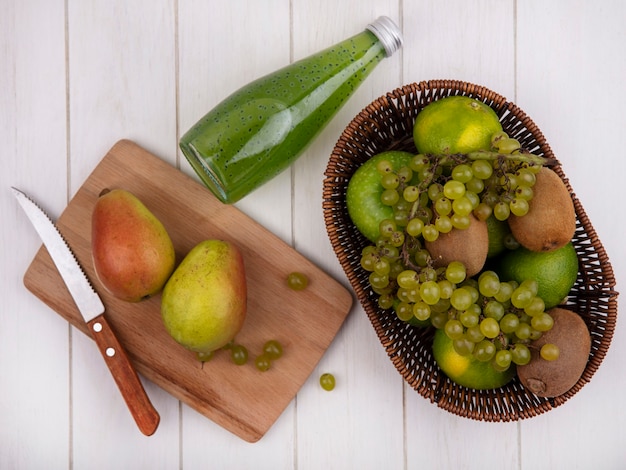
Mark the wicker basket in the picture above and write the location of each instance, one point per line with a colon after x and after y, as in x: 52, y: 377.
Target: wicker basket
x: 386, y: 124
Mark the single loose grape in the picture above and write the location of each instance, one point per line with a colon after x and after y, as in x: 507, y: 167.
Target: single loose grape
x: 297, y: 281
x: 549, y: 351
x: 263, y: 362
x: 239, y: 354
x: 327, y: 381
x: 205, y: 356
x: 273, y: 349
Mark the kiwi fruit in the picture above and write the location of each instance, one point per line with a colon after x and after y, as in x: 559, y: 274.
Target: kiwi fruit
x: 469, y: 246
x: 554, y: 378
x: 551, y: 219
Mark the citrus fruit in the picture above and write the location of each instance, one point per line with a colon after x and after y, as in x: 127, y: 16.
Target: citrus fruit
x: 467, y: 370
x: 455, y: 124
x: 497, y: 230
x: 363, y: 195
x: 555, y: 271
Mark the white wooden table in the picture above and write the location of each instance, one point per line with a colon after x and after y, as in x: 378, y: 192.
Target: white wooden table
x: 76, y: 76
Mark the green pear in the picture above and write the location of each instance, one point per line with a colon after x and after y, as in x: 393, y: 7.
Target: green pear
x: 204, y: 302
x: 132, y: 253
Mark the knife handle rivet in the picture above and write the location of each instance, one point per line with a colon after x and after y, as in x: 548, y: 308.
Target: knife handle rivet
x: 97, y: 327
x: 110, y: 352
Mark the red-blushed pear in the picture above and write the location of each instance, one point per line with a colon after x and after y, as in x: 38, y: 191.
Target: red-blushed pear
x: 133, y: 255
x: 204, y: 303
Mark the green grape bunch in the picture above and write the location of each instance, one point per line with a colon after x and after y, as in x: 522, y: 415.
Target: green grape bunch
x: 491, y: 319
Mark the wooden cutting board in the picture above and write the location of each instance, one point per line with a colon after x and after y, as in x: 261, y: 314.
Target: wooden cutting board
x: 240, y: 398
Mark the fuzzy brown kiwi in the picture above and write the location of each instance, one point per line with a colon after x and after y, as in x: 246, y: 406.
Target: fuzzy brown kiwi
x: 551, y: 219
x: 553, y: 378
x: 469, y: 246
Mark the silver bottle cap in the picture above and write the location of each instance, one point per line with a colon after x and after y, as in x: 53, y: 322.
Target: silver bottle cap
x: 387, y: 33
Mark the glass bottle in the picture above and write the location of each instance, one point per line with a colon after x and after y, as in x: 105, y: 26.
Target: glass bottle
x: 262, y: 128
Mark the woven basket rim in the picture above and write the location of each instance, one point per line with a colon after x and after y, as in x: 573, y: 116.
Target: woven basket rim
x: 384, y: 124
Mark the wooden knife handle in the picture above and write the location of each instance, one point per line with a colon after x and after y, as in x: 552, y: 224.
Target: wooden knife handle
x: 140, y: 406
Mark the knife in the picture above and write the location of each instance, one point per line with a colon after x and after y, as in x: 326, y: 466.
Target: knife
x: 91, y: 308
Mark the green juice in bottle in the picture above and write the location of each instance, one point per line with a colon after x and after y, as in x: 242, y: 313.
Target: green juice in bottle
x: 262, y: 128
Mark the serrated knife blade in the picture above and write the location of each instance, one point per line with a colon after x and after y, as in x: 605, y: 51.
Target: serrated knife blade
x: 92, y: 309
